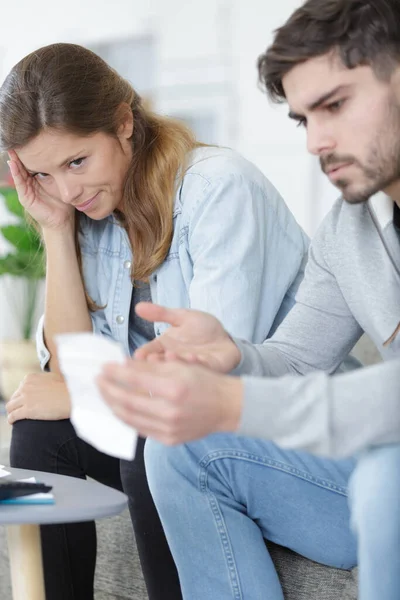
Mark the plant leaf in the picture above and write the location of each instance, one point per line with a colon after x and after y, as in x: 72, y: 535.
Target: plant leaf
x: 18, y: 236
x: 13, y: 204
x: 11, y: 265
x: 23, y: 237
x: 23, y: 264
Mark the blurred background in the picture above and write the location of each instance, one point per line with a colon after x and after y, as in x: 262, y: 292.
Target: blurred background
x: 189, y: 59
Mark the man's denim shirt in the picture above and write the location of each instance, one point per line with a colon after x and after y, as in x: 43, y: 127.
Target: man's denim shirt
x: 237, y: 253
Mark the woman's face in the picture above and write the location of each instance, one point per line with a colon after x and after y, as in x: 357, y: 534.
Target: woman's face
x: 86, y: 172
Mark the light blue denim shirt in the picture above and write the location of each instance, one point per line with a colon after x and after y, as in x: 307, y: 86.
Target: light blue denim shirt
x: 237, y: 252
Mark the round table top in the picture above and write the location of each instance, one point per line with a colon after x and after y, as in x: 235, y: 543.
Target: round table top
x: 75, y: 499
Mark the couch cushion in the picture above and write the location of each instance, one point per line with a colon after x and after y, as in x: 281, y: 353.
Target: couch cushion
x: 303, y: 579
x: 118, y: 569
x: 118, y: 574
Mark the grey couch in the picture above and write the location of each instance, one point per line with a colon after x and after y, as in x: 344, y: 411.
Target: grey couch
x: 118, y: 571
x: 118, y: 574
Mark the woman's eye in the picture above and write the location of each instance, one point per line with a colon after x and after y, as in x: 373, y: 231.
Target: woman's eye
x: 40, y: 175
x: 77, y: 162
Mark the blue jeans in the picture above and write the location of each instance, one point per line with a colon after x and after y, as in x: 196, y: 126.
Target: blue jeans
x: 375, y: 518
x: 218, y: 498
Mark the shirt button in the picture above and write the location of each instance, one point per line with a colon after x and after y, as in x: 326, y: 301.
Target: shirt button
x: 158, y: 332
x: 155, y: 278
x: 120, y: 319
x: 127, y: 264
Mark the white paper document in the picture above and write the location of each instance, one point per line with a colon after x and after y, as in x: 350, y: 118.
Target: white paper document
x: 3, y: 472
x: 81, y: 357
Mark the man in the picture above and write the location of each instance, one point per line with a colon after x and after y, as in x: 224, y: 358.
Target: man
x: 337, y: 64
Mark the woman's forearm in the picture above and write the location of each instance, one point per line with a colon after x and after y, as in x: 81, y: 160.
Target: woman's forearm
x: 66, y: 308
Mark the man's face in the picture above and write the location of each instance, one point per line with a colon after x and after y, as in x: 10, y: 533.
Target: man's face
x: 353, y: 124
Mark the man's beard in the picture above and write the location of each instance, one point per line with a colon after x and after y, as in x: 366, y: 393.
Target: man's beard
x: 382, y: 167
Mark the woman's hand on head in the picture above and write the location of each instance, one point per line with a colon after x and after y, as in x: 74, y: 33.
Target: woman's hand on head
x: 41, y: 396
x: 48, y: 212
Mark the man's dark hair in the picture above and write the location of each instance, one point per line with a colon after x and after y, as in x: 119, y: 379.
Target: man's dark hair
x: 363, y: 32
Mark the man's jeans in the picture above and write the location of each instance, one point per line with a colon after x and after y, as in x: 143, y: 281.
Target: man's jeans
x: 375, y: 507
x: 218, y: 499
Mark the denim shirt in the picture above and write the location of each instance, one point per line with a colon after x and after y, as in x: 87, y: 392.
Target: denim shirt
x: 237, y: 252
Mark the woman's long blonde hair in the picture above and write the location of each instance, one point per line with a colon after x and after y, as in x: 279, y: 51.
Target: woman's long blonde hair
x: 69, y: 88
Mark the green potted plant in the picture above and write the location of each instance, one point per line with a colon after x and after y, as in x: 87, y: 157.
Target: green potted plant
x: 24, y: 262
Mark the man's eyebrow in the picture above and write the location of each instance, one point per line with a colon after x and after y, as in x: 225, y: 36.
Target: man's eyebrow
x: 64, y: 162
x: 317, y: 103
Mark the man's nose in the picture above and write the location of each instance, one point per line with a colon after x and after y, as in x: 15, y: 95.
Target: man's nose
x: 319, y: 139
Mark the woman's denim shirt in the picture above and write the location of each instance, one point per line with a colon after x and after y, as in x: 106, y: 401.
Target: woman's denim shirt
x: 237, y: 252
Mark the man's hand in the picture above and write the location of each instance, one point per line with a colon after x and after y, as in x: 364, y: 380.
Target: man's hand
x: 172, y: 402
x: 194, y: 337
x: 41, y: 396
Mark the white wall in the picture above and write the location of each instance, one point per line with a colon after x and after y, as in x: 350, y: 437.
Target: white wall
x: 206, y: 58
x: 267, y: 136
x: 28, y: 24
x: 212, y: 48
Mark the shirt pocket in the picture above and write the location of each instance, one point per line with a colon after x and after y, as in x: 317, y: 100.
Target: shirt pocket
x: 97, y: 275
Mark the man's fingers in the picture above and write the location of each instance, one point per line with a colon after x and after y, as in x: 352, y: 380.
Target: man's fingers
x: 146, y: 427
x: 155, y: 358
x: 186, y: 357
x: 135, y: 402
x: 141, y: 376
x: 155, y: 312
x: 153, y: 347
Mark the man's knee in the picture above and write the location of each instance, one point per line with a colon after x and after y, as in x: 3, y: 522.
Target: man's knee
x: 170, y: 469
x: 166, y: 464
x: 162, y: 462
x: 375, y: 495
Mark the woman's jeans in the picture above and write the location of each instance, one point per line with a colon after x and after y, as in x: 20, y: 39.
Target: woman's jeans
x: 69, y: 551
x: 218, y: 499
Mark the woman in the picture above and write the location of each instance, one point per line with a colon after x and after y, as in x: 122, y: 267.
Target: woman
x: 130, y: 207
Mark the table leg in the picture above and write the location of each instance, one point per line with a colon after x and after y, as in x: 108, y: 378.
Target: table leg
x: 26, y: 562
